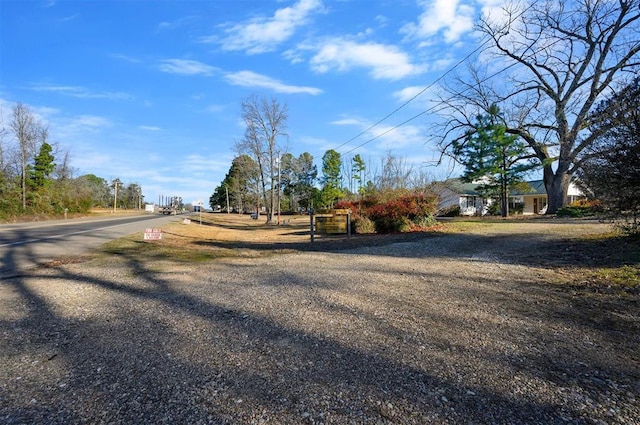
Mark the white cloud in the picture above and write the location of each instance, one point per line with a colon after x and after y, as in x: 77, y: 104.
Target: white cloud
x: 390, y: 138
x: 195, y: 164
x: 95, y: 162
x: 125, y: 58
x: 215, y: 108
x: 347, y: 121
x: 81, y: 92
x: 383, y: 137
x: 81, y: 125
x: 294, y: 56
x: 92, y: 121
x: 495, y: 11
x: 408, y: 93
x: 252, y: 79
x: 186, y: 67
x: 149, y: 128
x: 44, y: 113
x: 451, y: 17
x: 382, y: 21
x: 69, y: 18
x: 261, y: 34
x: 177, y: 23
x: 385, y: 61
x: 422, y: 98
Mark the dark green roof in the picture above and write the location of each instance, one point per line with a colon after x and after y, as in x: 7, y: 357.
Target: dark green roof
x: 458, y: 186
x: 536, y: 187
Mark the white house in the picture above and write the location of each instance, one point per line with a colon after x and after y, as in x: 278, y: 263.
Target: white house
x: 454, y: 192
x: 465, y: 195
x: 534, y: 201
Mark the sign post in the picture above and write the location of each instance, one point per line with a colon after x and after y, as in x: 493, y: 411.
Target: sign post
x: 152, y: 234
x: 328, y: 222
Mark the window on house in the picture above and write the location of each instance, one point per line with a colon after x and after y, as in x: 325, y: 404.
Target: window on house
x: 542, y: 202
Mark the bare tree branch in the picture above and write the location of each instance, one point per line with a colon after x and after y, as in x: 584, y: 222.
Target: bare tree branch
x: 566, y: 57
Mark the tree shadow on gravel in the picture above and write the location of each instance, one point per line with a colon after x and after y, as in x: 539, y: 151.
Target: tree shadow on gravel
x: 516, y: 248
x: 156, y: 351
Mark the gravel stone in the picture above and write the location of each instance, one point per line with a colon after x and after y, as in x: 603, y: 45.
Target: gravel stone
x: 467, y: 328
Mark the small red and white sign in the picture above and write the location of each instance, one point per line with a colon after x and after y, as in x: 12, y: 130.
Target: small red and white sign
x: 152, y: 234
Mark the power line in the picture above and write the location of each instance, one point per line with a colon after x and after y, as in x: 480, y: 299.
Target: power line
x: 460, y: 62
x: 415, y: 96
x: 426, y: 111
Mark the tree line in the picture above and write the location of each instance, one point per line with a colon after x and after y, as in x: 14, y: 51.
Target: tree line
x: 545, y: 101
x: 547, y: 66
x: 555, y: 89
x: 36, y: 179
x: 265, y: 176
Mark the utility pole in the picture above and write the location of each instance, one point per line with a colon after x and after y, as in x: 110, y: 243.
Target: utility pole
x: 226, y: 189
x: 116, y: 182
x: 278, y: 161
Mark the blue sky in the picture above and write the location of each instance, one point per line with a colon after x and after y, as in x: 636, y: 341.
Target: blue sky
x: 149, y: 91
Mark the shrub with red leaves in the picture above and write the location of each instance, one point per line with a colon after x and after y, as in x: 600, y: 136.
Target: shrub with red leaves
x: 400, y: 215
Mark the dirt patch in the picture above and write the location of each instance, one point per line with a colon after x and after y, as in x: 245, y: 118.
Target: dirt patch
x: 481, y: 322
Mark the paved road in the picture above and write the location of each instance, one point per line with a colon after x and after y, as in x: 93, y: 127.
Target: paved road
x: 30, y: 244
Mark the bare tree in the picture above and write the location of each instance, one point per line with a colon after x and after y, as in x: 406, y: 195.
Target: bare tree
x: 396, y: 173
x: 561, y: 59
x: 612, y: 174
x: 26, y: 130
x: 265, y: 122
x: 63, y: 170
x: 3, y: 132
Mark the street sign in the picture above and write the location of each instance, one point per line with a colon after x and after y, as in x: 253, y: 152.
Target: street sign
x: 152, y: 234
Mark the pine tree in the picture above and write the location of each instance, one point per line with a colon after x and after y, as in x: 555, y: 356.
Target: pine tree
x: 499, y: 159
x: 43, y: 167
x: 331, y: 177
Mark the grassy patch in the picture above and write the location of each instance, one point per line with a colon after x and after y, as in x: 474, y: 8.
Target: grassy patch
x: 209, y: 237
x: 176, y: 245
x: 586, y: 255
x: 625, y: 276
x: 135, y: 247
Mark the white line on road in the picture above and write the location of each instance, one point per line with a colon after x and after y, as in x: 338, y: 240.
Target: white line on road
x: 62, y: 235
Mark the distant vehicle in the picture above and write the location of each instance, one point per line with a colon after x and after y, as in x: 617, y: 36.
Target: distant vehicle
x: 169, y: 211
x: 171, y: 205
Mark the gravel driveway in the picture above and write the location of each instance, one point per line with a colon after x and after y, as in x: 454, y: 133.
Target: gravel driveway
x: 470, y: 328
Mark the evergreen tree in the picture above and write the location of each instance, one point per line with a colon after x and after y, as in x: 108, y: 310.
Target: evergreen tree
x: 306, y: 175
x: 498, y: 159
x: 94, y: 188
x: 43, y: 167
x: 239, y: 186
x: 358, y: 167
x: 331, y: 178
x: 288, y: 179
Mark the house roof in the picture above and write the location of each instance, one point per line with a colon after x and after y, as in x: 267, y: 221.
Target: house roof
x: 456, y: 185
x: 536, y: 188
x: 461, y: 188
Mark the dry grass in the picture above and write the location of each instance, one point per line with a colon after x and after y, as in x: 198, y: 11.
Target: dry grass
x: 476, y: 321
x: 587, y: 254
x: 216, y: 236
